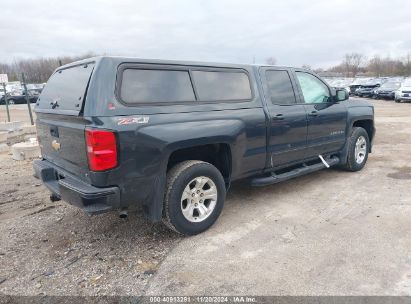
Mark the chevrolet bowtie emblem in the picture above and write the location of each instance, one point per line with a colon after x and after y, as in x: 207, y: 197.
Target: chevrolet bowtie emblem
x: 56, y: 145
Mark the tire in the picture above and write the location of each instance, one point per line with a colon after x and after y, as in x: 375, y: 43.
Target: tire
x: 11, y: 101
x: 397, y: 100
x: 357, y: 157
x: 185, y: 180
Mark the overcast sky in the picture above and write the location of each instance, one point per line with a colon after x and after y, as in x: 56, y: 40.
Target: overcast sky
x: 314, y: 32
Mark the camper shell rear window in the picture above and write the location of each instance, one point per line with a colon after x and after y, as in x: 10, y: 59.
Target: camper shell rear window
x: 65, y: 91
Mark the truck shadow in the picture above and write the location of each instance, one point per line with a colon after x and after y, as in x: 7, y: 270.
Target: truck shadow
x: 243, y: 189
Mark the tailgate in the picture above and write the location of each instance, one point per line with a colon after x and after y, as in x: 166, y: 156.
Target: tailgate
x: 60, y: 124
x: 62, y: 142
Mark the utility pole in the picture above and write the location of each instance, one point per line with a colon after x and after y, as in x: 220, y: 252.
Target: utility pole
x: 6, y: 101
x: 27, y: 98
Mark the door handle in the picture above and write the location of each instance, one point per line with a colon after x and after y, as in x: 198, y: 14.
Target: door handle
x: 313, y: 113
x: 278, y: 117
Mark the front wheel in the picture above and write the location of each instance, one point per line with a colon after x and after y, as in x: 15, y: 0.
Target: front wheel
x: 194, y: 197
x: 358, y: 147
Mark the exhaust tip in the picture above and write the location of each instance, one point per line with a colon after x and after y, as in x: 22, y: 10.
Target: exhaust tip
x: 54, y: 197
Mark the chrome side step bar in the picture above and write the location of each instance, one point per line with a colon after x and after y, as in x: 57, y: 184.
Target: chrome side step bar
x: 276, y: 178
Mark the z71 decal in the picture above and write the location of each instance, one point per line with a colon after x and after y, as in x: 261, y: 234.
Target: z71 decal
x: 133, y: 120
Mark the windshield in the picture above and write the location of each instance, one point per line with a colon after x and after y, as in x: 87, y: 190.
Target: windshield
x: 407, y: 82
x: 391, y: 85
x: 360, y: 81
x: 372, y: 82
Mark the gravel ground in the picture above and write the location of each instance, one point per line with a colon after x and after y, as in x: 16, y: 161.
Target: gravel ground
x: 56, y: 249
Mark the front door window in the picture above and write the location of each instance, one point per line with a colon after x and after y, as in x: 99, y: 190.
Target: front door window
x: 314, y: 90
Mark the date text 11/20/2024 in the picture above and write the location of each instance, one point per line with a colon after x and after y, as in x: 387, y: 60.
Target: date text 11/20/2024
x: 203, y: 299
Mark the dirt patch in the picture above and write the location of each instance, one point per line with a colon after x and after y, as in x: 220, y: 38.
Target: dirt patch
x: 402, y: 173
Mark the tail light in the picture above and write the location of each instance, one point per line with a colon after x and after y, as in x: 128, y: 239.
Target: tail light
x: 101, y: 149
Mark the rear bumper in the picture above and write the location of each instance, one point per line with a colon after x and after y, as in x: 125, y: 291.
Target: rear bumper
x: 67, y: 187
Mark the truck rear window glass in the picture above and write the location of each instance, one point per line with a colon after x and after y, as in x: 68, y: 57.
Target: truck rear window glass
x: 279, y: 87
x: 220, y: 86
x: 65, y: 90
x: 146, y: 86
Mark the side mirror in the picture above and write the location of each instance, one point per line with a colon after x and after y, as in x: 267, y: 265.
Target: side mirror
x: 342, y: 95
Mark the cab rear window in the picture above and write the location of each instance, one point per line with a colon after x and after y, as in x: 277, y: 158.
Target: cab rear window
x: 65, y: 90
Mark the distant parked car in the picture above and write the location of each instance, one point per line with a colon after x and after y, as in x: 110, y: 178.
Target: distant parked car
x: 365, y: 91
x: 404, y: 92
x: 368, y: 88
x: 387, y: 90
x: 18, y: 99
x: 340, y: 83
x: 34, y: 88
x: 356, y: 84
x: 343, y: 84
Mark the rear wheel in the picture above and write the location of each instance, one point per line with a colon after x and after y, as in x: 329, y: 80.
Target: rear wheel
x: 397, y: 100
x: 11, y: 101
x: 194, y: 197
x: 358, y: 147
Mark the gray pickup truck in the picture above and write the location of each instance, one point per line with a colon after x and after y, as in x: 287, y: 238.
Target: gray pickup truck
x: 170, y: 136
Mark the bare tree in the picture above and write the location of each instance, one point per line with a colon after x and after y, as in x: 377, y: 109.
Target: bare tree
x: 352, y: 63
x: 407, y: 65
x: 376, y: 66
x: 36, y: 70
x: 271, y: 61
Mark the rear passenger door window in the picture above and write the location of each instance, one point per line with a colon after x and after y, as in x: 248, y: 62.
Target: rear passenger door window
x: 222, y: 85
x: 279, y: 88
x: 156, y: 86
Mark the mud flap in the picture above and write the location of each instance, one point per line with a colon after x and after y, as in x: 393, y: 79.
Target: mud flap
x: 153, y: 208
